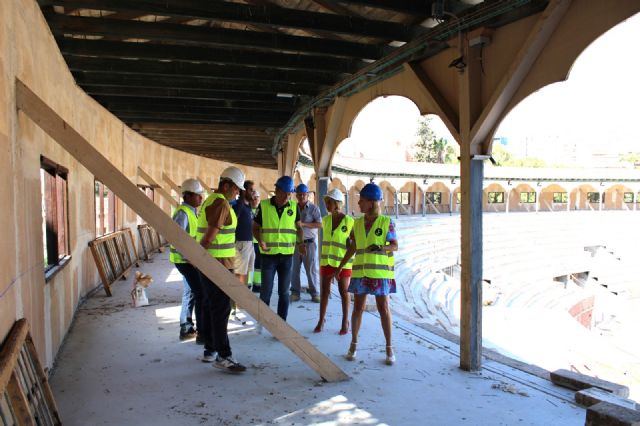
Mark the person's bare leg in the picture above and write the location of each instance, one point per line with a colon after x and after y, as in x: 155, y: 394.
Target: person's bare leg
x: 343, y: 286
x: 356, y: 319
x: 382, y: 303
x: 325, y: 288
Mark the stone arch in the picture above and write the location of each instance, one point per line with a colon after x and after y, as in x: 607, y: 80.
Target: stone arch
x: 579, y: 196
x: 494, y: 187
x: 549, y: 200
x: 354, y: 195
x: 515, y: 203
x: 615, y: 197
x: 388, y: 194
x: 441, y: 197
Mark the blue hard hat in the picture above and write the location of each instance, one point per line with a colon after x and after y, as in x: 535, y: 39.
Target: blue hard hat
x: 285, y: 183
x: 302, y: 188
x: 371, y: 191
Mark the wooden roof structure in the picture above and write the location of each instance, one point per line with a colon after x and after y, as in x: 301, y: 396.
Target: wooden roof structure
x: 227, y: 79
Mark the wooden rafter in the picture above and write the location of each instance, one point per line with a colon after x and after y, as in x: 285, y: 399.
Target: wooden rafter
x: 208, y: 36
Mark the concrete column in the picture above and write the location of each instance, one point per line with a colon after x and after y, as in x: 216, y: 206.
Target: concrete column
x: 424, y: 203
x: 600, y: 203
x: 506, y: 208
x: 538, y: 191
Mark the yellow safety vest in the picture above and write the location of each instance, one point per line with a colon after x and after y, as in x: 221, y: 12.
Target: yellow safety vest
x: 376, y: 264
x: 174, y: 255
x: 334, y: 243
x: 278, y: 232
x: 224, y: 245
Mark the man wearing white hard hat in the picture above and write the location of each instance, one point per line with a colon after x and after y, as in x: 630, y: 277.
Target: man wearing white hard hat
x: 186, y: 217
x: 217, y: 234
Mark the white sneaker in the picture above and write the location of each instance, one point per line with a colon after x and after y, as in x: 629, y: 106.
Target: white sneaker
x: 208, y: 356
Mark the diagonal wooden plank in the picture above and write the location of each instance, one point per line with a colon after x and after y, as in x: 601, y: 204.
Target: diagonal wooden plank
x: 171, y: 183
x: 518, y: 70
x: 49, y: 121
x: 157, y: 187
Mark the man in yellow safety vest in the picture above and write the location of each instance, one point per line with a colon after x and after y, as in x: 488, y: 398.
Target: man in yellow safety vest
x: 277, y: 228
x: 186, y: 217
x: 217, y: 234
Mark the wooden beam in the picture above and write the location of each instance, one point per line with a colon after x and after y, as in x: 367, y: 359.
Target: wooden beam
x: 200, y: 103
x: 208, y: 36
x: 133, y: 118
x: 207, y: 55
x: 518, y: 70
x: 440, y: 104
x: 412, y: 7
x: 327, y: 146
x: 98, y: 89
x: 107, y: 79
x: 49, y: 121
x: 157, y: 187
x: 183, y: 69
x: 204, y: 185
x: 270, y: 15
x: 171, y: 184
x: 225, y: 114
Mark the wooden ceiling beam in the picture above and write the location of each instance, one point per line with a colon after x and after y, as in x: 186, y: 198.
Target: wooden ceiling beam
x: 412, y: 7
x: 164, y: 93
x: 204, y: 127
x: 228, y: 85
x: 119, y: 49
x: 208, y: 36
x: 193, y: 110
x: 173, y: 118
x: 147, y: 67
x: 230, y: 104
x: 271, y: 15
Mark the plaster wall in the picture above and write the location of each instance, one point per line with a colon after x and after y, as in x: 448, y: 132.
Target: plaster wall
x: 28, y: 52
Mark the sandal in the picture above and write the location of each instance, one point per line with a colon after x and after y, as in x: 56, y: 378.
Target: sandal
x: 344, y: 330
x: 391, y: 357
x: 351, y: 354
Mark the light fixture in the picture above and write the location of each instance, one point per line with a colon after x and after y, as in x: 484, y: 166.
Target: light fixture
x: 453, y: 181
x: 425, y: 181
x: 261, y: 148
x: 509, y: 182
x: 285, y: 95
x: 371, y: 179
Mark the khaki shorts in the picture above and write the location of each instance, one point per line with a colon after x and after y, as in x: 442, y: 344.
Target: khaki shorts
x: 245, y: 257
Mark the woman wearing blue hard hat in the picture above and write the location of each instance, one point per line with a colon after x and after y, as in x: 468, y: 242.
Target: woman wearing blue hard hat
x: 373, y: 241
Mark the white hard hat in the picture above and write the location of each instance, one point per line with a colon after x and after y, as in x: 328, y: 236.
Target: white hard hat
x: 336, y: 194
x: 192, y: 185
x: 235, y: 175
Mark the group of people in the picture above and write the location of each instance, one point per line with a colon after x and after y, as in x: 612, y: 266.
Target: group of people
x: 259, y: 239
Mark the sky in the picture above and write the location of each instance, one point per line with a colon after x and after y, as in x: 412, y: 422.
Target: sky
x: 595, y: 111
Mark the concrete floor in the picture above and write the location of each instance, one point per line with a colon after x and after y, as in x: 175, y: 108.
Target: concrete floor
x: 122, y: 365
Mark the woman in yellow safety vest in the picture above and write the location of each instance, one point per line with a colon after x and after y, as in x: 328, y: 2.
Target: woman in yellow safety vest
x: 373, y: 241
x: 336, y: 229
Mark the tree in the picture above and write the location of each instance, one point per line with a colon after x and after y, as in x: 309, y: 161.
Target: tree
x: 431, y: 149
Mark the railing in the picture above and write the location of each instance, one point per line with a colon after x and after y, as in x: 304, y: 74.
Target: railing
x: 25, y: 395
x: 151, y: 241
x: 114, y: 256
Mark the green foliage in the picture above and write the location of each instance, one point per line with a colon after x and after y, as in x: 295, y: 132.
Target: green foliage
x: 632, y: 158
x: 506, y: 159
x: 431, y: 149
